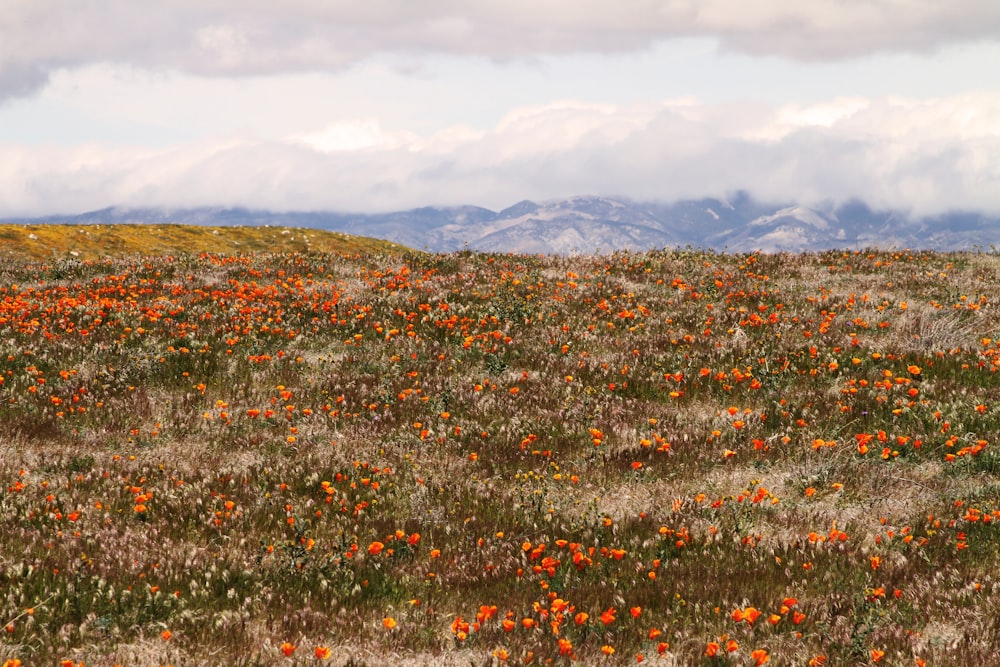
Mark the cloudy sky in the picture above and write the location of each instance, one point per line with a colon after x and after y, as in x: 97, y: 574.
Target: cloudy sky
x: 385, y: 104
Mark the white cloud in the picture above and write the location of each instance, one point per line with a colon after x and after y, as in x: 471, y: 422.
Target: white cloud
x: 924, y: 155
x: 252, y: 37
x: 353, y: 135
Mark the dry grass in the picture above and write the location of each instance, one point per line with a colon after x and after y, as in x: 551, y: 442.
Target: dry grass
x: 245, y: 451
x: 90, y: 242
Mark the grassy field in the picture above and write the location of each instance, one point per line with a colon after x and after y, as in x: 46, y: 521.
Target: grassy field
x: 87, y: 242
x: 372, y: 456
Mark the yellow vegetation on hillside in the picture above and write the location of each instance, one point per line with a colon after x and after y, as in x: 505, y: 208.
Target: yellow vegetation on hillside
x: 95, y: 241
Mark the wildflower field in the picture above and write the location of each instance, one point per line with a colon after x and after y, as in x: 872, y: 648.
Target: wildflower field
x: 675, y: 457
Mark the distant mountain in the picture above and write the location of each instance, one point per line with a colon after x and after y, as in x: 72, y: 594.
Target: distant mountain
x: 599, y: 224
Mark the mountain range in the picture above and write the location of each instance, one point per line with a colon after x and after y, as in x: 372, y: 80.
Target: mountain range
x: 589, y: 224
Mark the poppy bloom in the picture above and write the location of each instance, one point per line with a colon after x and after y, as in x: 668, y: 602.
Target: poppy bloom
x: 287, y: 649
x: 389, y: 622
x: 750, y: 615
x: 322, y: 652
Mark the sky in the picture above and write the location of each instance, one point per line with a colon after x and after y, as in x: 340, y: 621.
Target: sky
x: 391, y: 104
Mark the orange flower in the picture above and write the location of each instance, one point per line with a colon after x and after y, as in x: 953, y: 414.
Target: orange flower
x: 375, y: 548
x: 608, y: 617
x: 322, y: 652
x: 581, y: 618
x: 166, y: 635
x: 712, y: 649
x: 750, y: 615
x: 607, y: 650
x: 389, y: 622
x: 877, y: 655
x: 760, y: 657
x: 732, y: 646
x: 287, y: 649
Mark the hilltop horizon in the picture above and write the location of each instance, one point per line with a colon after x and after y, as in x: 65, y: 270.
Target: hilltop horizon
x: 589, y: 223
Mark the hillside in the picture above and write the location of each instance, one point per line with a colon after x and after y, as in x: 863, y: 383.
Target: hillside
x: 675, y: 458
x: 93, y: 241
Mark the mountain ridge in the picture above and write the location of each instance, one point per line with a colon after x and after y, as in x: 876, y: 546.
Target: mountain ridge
x: 587, y: 224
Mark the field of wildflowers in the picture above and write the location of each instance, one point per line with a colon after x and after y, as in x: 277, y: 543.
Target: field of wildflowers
x: 673, y: 457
